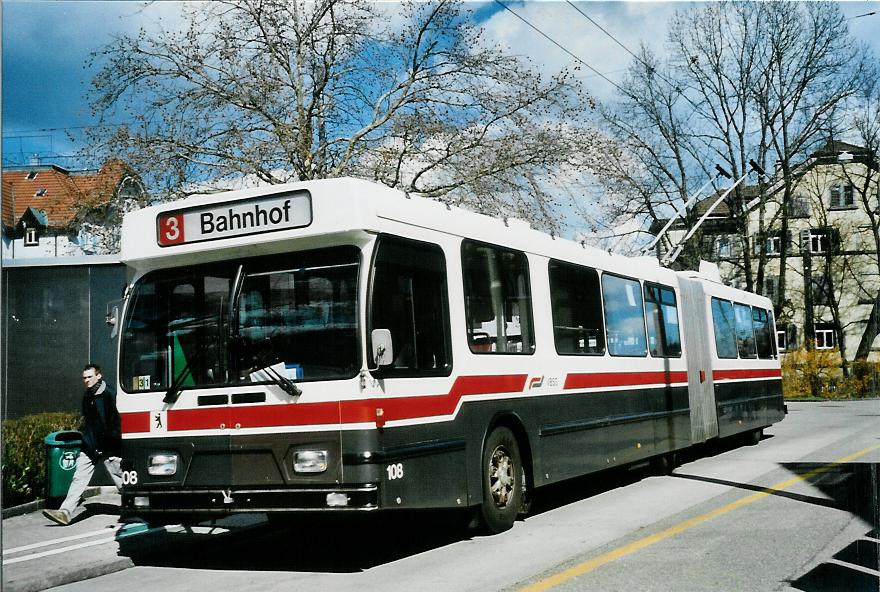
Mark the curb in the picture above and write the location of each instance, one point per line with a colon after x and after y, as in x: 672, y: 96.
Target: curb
x: 73, y: 576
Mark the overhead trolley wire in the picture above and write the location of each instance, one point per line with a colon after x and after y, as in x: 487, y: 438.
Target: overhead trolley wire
x: 651, y: 69
x: 560, y: 46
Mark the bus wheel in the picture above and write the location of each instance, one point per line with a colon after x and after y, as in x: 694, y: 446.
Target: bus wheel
x: 754, y: 437
x: 664, y: 464
x: 502, y: 482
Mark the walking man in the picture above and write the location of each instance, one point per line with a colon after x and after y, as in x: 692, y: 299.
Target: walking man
x: 100, y: 443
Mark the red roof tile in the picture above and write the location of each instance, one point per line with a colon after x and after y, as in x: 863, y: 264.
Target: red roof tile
x: 57, y: 191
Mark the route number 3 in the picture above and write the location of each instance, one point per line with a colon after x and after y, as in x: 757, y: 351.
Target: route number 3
x: 171, y: 230
x: 395, y: 471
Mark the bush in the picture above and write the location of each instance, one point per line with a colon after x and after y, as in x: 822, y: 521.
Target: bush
x: 819, y: 373
x: 24, y: 454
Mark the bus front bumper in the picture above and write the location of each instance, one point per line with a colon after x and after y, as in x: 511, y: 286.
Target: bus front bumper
x: 217, y: 502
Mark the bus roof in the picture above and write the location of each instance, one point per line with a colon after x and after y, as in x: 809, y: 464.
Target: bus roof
x: 329, y: 208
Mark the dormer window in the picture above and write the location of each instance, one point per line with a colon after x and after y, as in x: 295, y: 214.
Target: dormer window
x: 40, y: 192
x: 30, y: 237
x: 32, y: 175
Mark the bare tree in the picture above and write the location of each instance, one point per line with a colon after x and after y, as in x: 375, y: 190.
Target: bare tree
x: 650, y: 120
x: 742, y: 81
x: 866, y: 186
x: 284, y: 90
x: 813, y: 67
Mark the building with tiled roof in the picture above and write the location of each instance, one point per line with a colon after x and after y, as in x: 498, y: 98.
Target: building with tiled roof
x: 832, y: 264
x: 50, y: 211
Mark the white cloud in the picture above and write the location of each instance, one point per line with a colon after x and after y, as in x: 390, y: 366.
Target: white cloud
x: 629, y: 23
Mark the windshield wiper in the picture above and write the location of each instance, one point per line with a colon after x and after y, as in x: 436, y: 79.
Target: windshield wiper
x: 258, y: 358
x: 287, y: 385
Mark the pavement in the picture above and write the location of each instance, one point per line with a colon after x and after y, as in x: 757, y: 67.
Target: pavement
x: 39, y: 554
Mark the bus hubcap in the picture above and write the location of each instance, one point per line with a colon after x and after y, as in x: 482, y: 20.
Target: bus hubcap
x: 501, y: 480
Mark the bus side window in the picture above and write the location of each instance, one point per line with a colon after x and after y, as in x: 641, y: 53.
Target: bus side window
x: 498, y: 302
x: 763, y: 334
x: 722, y: 323
x: 745, y: 333
x: 624, y: 316
x: 664, y: 339
x: 409, y: 298
x: 577, y: 309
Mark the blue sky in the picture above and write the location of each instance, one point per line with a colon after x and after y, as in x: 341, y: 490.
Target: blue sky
x: 46, y: 46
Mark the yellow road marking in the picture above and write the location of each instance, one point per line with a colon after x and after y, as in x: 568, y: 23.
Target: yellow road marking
x: 592, y: 564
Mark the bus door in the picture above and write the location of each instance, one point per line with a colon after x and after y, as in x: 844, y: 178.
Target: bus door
x: 408, y: 300
x: 701, y: 393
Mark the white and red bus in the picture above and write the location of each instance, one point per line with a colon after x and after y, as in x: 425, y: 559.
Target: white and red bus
x: 337, y: 346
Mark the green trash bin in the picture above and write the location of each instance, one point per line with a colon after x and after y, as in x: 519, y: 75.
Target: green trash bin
x: 62, y: 449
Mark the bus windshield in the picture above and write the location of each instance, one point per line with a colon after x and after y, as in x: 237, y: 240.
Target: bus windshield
x: 243, y: 322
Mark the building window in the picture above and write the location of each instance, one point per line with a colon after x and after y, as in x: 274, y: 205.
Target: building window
x: 786, y: 338
x: 842, y: 195
x: 30, y: 237
x: 781, y: 341
x: 41, y: 192
x: 821, y: 289
x: 799, y: 207
x: 771, y: 287
x: 773, y: 245
x: 825, y: 336
x: 722, y: 246
x: 819, y: 240
x: 31, y: 175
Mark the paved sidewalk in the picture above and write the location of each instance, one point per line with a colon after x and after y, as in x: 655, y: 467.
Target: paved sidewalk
x: 39, y: 554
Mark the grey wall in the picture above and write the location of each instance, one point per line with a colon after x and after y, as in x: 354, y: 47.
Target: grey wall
x: 53, y: 324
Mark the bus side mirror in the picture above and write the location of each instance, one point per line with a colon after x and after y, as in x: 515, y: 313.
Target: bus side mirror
x: 383, y: 350
x: 112, y: 319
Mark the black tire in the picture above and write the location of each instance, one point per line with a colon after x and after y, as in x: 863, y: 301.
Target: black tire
x: 503, y: 482
x: 664, y: 464
x: 753, y: 437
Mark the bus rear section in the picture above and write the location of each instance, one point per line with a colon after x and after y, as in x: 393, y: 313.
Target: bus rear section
x: 231, y: 376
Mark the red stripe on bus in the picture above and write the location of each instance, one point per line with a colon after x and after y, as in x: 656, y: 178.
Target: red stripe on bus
x: 135, y: 422
x: 742, y: 374
x: 609, y: 379
x: 333, y: 412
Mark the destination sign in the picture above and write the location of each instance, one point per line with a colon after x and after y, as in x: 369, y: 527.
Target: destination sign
x: 235, y: 218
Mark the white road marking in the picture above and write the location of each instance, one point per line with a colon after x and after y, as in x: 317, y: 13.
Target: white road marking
x: 49, y: 543
x: 61, y: 550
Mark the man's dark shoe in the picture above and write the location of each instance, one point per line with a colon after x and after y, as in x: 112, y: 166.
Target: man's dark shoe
x: 57, y: 516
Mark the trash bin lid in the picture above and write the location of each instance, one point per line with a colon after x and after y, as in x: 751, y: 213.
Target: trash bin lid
x: 63, y: 438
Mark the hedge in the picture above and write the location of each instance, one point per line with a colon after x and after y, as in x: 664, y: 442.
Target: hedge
x: 24, y: 454
x: 819, y: 373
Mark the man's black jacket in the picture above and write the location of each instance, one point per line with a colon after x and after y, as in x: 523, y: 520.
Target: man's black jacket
x: 101, y: 430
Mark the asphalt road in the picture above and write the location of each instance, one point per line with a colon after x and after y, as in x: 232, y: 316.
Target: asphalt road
x: 799, y: 511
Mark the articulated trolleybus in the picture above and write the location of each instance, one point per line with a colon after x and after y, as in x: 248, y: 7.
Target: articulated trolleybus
x: 336, y: 346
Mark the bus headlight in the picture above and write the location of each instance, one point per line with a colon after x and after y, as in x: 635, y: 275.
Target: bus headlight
x: 162, y: 465
x: 310, y: 461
